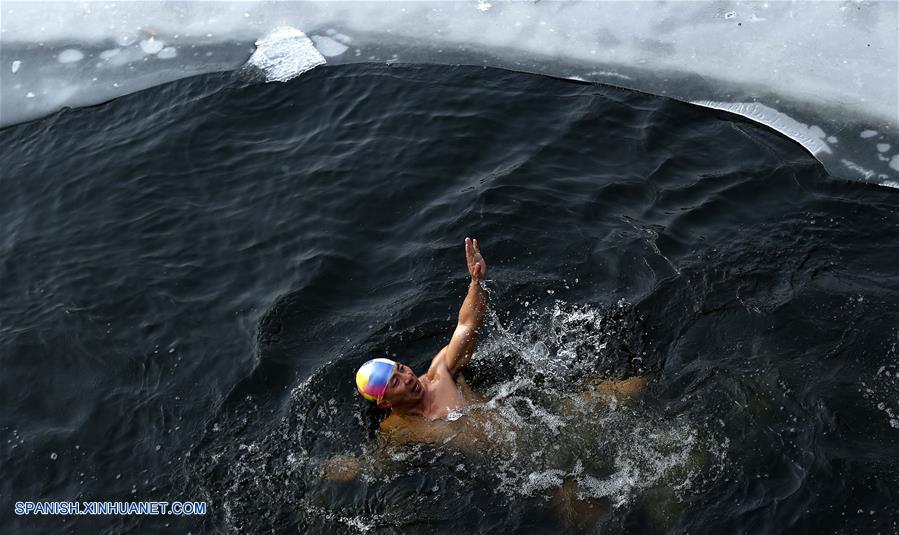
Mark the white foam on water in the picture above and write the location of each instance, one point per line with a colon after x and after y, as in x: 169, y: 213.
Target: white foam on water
x: 357, y: 523
x: 285, y: 53
x: 882, y: 388
x: 645, y: 454
x: 646, y: 460
x: 645, y: 451
x: 540, y: 481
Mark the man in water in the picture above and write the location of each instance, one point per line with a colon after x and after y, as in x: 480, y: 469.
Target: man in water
x: 432, y: 396
x: 419, y: 405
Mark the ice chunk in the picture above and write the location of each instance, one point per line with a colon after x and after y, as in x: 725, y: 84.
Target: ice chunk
x: 328, y: 47
x: 151, y: 45
x: 70, y: 55
x: 810, y: 137
x: 168, y: 52
x: 285, y: 53
x: 15, y: 66
x: 862, y: 171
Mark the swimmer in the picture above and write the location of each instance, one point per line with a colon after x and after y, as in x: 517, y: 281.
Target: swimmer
x: 394, y: 386
x: 419, y: 405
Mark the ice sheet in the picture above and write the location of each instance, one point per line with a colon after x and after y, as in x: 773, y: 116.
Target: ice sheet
x: 830, y: 65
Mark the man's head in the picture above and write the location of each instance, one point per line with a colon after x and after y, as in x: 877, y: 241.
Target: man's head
x: 389, y: 384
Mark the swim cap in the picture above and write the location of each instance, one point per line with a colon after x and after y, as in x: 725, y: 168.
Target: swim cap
x: 372, y: 377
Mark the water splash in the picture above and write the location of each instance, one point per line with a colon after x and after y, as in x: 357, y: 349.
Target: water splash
x: 882, y: 389
x: 540, y: 426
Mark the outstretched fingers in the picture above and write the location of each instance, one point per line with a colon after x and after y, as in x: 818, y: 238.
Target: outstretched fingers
x: 473, y: 258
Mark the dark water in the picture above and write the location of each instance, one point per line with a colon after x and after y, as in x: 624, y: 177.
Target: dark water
x: 191, y: 274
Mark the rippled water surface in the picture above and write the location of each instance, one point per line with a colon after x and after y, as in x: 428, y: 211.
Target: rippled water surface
x: 191, y: 274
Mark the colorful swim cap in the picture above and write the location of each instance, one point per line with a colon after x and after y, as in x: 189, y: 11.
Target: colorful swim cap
x: 372, y: 377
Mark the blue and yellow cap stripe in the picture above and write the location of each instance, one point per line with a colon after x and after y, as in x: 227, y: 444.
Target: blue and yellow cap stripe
x: 372, y: 377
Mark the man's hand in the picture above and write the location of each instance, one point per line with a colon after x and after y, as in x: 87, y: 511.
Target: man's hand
x: 477, y: 268
x: 457, y: 353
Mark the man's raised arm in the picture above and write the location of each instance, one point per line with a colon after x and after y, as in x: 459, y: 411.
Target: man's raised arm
x: 458, y: 352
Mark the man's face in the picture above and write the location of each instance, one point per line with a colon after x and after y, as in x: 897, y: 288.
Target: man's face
x: 403, y: 387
